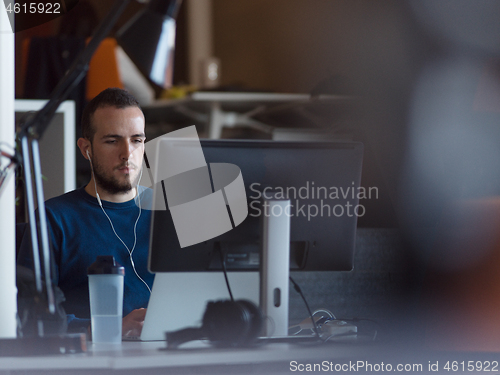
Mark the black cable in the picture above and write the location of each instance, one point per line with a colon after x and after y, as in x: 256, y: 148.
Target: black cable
x: 223, y: 262
x: 297, y: 288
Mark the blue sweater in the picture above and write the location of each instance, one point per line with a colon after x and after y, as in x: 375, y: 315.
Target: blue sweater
x: 79, y: 232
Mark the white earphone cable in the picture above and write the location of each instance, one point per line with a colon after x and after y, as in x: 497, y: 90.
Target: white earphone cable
x: 113, y: 228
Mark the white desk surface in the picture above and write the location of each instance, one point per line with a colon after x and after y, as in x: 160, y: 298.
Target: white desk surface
x: 202, y: 103
x: 148, y: 355
x: 242, y: 101
x: 200, y: 358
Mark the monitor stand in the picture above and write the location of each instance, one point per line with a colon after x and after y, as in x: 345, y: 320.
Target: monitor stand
x: 275, y: 267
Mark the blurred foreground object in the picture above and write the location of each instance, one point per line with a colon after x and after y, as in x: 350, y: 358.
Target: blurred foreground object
x: 463, y: 283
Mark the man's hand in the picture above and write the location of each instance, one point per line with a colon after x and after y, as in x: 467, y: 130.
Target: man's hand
x: 133, y: 322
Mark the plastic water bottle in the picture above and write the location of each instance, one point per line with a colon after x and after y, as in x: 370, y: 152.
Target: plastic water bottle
x: 106, y: 300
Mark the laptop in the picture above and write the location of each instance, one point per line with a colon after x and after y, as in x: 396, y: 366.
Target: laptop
x: 179, y: 299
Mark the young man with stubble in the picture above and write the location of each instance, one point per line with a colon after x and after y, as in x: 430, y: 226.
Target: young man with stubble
x: 105, y: 217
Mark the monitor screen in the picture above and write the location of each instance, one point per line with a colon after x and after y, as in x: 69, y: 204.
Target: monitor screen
x: 322, y: 183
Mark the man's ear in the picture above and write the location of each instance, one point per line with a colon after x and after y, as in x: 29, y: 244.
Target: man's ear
x: 84, y: 146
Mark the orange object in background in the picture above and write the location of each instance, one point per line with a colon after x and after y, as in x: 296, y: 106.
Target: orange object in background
x: 103, y: 69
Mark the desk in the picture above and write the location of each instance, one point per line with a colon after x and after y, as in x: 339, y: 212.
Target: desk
x: 219, y: 109
x: 199, y: 358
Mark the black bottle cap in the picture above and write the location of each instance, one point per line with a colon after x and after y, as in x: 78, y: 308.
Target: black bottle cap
x: 105, y: 265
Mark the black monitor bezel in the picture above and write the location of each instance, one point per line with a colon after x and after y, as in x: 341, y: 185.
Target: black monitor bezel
x: 194, y: 258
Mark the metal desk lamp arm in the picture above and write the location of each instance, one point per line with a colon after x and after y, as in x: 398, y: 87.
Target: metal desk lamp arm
x: 33, y: 130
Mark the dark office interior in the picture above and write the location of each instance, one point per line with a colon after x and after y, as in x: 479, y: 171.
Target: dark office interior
x: 424, y: 81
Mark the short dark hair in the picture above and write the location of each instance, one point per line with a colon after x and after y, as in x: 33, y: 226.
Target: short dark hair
x: 111, y: 97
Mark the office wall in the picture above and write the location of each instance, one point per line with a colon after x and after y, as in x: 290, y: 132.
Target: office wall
x: 291, y: 45
x: 371, y: 49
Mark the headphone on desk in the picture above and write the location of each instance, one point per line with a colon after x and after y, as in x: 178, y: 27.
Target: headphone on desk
x: 225, y: 323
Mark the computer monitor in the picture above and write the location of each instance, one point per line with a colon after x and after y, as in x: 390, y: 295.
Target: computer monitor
x: 322, y: 182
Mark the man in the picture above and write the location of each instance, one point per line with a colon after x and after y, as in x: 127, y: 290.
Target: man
x: 105, y: 217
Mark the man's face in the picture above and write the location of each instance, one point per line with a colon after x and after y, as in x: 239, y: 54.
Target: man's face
x: 117, y: 148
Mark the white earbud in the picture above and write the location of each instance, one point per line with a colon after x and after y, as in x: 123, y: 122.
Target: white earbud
x: 98, y: 198
x: 95, y: 186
